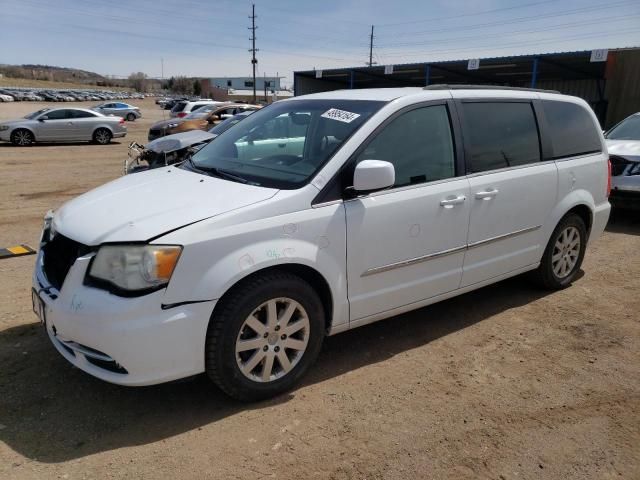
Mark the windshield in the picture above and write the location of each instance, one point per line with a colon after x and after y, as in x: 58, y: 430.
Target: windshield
x: 628, y: 129
x: 286, y: 143
x: 33, y: 115
x: 228, y: 123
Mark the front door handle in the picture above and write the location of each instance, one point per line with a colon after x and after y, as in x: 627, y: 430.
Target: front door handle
x: 487, y: 194
x: 450, y: 202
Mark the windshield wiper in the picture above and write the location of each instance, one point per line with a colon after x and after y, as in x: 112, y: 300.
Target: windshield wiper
x: 218, y: 172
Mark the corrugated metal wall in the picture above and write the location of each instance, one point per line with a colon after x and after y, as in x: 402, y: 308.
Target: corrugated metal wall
x: 306, y: 85
x: 623, y: 85
x: 587, y: 89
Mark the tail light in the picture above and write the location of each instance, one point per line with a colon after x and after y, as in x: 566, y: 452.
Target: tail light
x: 121, y: 122
x: 608, y: 177
x: 182, y: 114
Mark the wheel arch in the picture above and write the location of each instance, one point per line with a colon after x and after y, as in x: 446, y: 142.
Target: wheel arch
x: 21, y: 127
x: 312, y: 276
x: 99, y: 126
x: 580, y: 202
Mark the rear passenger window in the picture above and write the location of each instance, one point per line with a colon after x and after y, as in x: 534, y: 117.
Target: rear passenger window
x: 418, y: 143
x: 178, y: 107
x: 500, y: 135
x: 81, y: 114
x: 572, y: 129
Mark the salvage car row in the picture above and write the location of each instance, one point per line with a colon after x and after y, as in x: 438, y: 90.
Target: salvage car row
x: 10, y: 94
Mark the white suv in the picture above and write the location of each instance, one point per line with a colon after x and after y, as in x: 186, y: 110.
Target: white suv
x: 313, y: 216
x: 184, y: 107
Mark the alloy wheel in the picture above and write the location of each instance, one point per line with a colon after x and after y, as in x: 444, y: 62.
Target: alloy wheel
x: 272, y: 340
x: 23, y: 137
x: 566, y: 252
x: 102, y: 137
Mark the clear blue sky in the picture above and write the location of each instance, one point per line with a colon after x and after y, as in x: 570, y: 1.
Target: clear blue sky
x: 210, y: 38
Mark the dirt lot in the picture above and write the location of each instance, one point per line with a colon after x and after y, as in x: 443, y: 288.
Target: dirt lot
x: 506, y: 382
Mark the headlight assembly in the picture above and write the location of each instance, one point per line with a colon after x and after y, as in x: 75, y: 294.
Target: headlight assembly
x: 4, y: 127
x: 135, y: 268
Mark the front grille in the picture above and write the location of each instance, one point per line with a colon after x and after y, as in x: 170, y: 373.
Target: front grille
x: 59, y: 255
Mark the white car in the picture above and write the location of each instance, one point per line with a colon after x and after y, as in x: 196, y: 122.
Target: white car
x: 313, y: 216
x: 623, y: 144
x: 183, y: 108
x: 6, y: 98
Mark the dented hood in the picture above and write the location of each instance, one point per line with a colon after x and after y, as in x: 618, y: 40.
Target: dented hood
x: 629, y: 149
x: 139, y: 207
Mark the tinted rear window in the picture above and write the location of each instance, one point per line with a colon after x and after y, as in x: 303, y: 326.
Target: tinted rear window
x: 572, y: 129
x: 82, y: 114
x: 500, y: 135
x: 178, y: 107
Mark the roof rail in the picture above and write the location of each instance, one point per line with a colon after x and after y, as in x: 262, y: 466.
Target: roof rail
x: 444, y: 86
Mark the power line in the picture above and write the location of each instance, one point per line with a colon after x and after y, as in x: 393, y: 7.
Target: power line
x: 515, y: 7
x: 512, y: 32
x: 601, y: 33
x: 528, y: 18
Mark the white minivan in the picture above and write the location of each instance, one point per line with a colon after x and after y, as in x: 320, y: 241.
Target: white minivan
x: 313, y: 216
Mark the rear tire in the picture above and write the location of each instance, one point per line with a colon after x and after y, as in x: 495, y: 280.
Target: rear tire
x: 102, y: 136
x: 564, y: 254
x: 22, y: 137
x: 130, y: 117
x: 264, y: 335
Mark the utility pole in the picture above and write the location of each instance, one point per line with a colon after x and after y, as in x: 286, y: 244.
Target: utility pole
x: 371, y: 62
x: 253, y: 50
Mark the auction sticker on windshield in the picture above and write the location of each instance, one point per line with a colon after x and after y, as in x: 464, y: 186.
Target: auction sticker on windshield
x: 340, y: 115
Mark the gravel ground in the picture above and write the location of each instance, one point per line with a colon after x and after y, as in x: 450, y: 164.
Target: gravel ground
x: 502, y: 383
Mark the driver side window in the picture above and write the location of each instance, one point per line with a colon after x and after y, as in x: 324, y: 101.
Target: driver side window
x: 418, y: 143
x: 57, y: 114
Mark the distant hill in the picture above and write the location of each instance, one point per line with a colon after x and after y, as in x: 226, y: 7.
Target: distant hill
x: 56, y: 74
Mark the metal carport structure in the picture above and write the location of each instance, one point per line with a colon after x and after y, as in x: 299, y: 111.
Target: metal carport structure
x: 611, y: 86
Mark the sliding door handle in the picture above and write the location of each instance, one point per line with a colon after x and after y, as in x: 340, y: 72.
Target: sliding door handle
x: 450, y: 202
x: 486, y: 194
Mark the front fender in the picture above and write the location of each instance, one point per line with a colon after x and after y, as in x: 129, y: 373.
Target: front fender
x: 217, y: 258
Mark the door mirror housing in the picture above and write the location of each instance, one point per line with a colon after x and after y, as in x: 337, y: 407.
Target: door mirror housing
x: 43, y: 118
x: 371, y: 175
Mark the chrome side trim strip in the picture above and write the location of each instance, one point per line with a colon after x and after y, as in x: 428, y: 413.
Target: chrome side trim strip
x: 412, y: 261
x: 503, y: 237
x: 431, y: 256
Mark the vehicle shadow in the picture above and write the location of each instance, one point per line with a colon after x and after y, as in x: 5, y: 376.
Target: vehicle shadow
x: 624, y: 221
x: 52, y: 412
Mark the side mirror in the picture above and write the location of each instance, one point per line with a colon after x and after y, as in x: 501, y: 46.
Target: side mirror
x: 43, y: 118
x: 371, y: 175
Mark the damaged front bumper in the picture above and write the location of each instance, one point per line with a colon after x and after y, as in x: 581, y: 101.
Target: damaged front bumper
x: 126, y: 341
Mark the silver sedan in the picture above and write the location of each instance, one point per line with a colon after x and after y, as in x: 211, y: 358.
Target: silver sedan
x: 124, y: 110
x: 63, y: 125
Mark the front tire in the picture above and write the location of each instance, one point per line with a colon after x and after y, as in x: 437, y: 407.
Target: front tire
x: 564, y: 254
x: 22, y: 137
x: 264, y: 335
x: 130, y: 117
x: 102, y: 136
